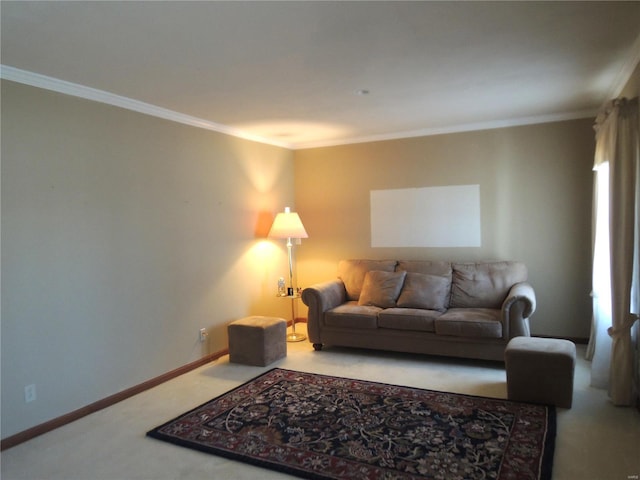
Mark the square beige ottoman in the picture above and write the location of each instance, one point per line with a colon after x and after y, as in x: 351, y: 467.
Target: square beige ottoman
x: 257, y: 340
x: 540, y: 370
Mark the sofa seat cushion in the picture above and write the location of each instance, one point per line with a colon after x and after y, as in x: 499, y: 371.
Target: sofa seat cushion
x: 470, y: 322
x: 352, y: 315
x: 408, y: 319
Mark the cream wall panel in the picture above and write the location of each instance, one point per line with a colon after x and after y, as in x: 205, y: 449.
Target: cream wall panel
x: 535, y: 196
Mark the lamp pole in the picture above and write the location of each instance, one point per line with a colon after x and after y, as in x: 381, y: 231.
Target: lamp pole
x: 288, y: 225
x: 293, y: 336
x: 289, y: 249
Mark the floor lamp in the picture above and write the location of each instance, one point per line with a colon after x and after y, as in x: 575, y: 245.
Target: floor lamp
x: 288, y: 225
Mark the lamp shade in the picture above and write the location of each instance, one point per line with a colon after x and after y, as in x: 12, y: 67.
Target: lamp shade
x: 287, y: 224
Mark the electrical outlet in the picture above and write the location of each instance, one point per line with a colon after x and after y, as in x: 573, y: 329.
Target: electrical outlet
x: 203, y: 335
x: 29, y: 393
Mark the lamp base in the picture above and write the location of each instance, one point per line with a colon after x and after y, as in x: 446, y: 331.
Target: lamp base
x: 295, y: 337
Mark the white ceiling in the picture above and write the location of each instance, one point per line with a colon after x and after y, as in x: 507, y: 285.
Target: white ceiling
x: 291, y: 73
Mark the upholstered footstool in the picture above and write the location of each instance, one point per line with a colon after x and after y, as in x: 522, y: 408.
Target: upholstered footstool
x: 540, y: 370
x: 257, y: 340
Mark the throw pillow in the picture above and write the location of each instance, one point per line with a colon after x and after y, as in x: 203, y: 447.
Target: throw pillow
x: 426, y: 291
x: 381, y: 289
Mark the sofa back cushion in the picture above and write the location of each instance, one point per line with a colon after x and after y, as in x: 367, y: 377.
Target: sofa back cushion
x: 442, y: 269
x: 484, y: 285
x: 381, y: 289
x: 426, y: 291
x: 352, y: 273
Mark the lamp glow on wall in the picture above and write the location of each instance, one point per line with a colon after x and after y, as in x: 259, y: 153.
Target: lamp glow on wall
x: 288, y: 225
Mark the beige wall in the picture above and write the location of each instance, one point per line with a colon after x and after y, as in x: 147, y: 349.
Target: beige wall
x: 632, y: 88
x: 535, y: 188
x: 122, y: 236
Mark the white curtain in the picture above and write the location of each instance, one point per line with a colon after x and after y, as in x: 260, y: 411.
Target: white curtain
x: 616, y: 259
x: 599, y: 350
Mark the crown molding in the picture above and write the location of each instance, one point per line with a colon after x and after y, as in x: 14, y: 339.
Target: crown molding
x: 469, y: 127
x: 77, y: 90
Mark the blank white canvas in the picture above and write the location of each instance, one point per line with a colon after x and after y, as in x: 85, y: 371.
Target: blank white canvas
x: 426, y: 217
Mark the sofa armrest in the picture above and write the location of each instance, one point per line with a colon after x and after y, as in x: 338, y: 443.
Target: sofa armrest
x: 516, y: 310
x: 320, y: 298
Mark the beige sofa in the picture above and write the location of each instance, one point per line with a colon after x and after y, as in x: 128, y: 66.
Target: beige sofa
x: 442, y: 308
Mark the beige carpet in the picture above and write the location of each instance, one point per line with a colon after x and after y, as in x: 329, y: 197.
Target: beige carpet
x: 596, y: 441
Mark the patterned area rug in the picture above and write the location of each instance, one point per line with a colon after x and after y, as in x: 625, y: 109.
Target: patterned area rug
x: 323, y: 427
